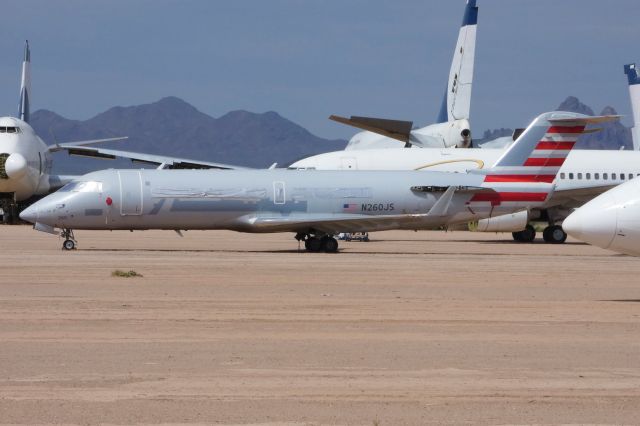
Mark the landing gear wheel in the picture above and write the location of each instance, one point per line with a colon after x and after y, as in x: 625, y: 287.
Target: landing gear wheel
x: 528, y: 235
x: 69, y: 240
x: 330, y: 244
x: 313, y: 244
x: 554, y: 235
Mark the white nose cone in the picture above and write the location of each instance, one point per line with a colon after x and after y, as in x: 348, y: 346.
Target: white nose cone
x: 595, y: 222
x: 16, y: 166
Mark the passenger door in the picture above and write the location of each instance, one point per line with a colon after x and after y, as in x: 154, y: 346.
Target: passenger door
x: 130, y: 192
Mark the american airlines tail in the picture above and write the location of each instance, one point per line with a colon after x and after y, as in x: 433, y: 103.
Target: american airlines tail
x: 25, y: 85
x: 634, y: 93
x: 456, y: 103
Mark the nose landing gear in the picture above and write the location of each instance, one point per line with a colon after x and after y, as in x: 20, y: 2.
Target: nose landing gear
x: 69, y: 240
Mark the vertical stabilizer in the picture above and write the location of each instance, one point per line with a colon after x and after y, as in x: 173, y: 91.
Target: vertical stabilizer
x: 634, y: 93
x: 25, y: 85
x: 457, y: 98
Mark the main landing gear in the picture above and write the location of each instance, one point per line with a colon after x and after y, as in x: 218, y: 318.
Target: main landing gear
x: 525, y: 236
x: 69, y: 240
x: 552, y: 234
x: 318, y: 243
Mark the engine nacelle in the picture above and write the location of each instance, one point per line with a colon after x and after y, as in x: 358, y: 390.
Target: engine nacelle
x: 443, y: 135
x: 513, y: 222
x: 15, y: 166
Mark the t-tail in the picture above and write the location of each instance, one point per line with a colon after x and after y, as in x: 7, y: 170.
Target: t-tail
x: 634, y: 93
x: 456, y: 103
x: 526, y: 172
x: 25, y: 85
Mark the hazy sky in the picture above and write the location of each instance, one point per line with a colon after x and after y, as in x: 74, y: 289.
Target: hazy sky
x: 308, y: 59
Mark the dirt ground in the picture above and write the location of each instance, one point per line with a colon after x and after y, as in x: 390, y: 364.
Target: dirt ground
x: 234, y: 329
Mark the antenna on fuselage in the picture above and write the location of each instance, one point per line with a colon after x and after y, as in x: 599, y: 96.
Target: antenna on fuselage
x: 25, y: 84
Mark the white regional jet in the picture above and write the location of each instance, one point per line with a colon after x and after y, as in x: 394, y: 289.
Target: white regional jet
x: 452, y: 125
x: 314, y: 205
x: 25, y: 160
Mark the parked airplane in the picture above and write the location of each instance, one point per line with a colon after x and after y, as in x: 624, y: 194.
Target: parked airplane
x: 25, y: 160
x: 634, y: 94
x: 611, y: 220
x: 314, y: 204
x: 452, y: 125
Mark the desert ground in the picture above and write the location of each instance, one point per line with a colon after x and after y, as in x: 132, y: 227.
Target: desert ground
x: 234, y: 329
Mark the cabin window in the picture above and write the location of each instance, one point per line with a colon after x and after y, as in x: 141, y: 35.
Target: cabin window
x: 622, y: 176
x: 605, y: 176
x: 630, y: 176
x: 596, y: 176
x: 580, y: 176
x: 613, y: 176
x: 588, y: 176
x: 561, y: 175
x: 571, y: 176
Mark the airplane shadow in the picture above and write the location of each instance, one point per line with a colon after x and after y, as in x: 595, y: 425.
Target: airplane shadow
x: 621, y: 300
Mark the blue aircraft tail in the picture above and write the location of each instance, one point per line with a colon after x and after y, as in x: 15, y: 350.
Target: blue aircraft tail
x: 456, y: 103
x: 25, y: 85
x: 634, y: 93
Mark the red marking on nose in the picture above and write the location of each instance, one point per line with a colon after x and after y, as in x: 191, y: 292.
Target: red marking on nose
x: 109, y: 201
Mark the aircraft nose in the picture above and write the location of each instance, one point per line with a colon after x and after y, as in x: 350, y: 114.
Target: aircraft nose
x: 30, y: 214
x: 594, y: 224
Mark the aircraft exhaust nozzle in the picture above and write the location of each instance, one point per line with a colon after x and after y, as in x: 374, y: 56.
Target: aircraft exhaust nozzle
x: 466, y: 139
x: 15, y: 166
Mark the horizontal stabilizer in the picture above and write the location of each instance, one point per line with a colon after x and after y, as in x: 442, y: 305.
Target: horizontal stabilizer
x: 395, y: 129
x: 587, y: 120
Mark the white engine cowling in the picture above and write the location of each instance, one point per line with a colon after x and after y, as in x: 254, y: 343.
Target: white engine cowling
x: 513, y: 222
x: 16, y: 166
x: 443, y: 135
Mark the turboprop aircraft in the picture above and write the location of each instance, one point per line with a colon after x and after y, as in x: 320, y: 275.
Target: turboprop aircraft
x: 314, y: 205
x: 25, y: 160
x: 611, y: 220
x: 452, y: 126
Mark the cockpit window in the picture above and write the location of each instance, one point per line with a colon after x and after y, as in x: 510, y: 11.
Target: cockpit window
x: 9, y: 129
x: 86, y: 186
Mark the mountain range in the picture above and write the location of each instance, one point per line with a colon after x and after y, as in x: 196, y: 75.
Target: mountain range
x: 173, y: 127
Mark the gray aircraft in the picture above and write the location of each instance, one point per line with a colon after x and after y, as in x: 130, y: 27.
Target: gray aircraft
x: 315, y: 205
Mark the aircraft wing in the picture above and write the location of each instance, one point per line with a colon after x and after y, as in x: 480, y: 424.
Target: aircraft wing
x: 343, y: 222
x: 576, y: 197
x: 333, y: 223
x: 157, y: 160
x: 66, y: 145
